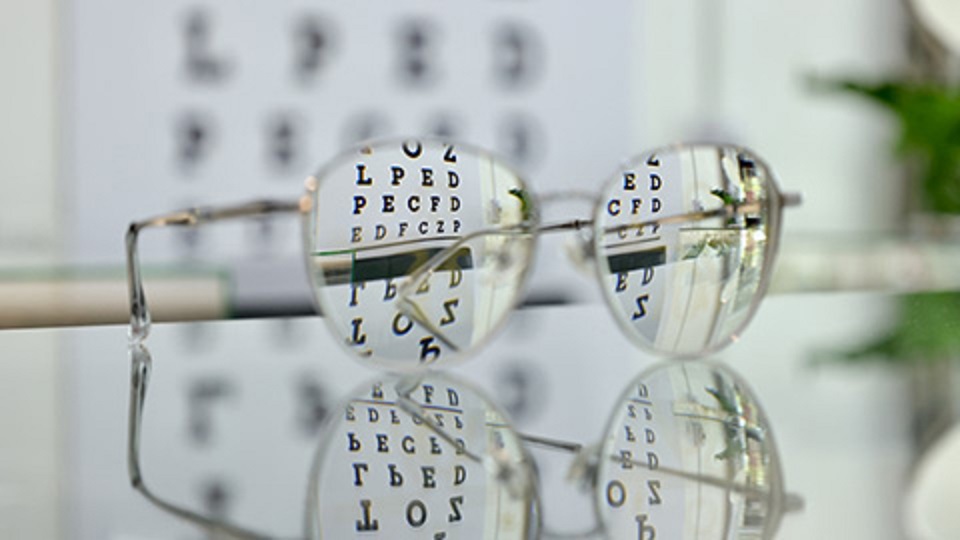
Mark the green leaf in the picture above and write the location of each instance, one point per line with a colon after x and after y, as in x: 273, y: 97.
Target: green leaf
x: 929, y: 117
x: 928, y: 325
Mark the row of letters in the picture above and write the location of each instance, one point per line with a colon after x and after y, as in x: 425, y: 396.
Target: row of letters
x: 427, y: 472
x: 314, y: 45
x: 286, y: 139
x: 407, y: 443
x: 639, y: 409
x: 415, y: 514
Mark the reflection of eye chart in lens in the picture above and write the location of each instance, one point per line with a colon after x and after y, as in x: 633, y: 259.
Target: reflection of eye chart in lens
x: 641, y: 438
x: 688, y: 454
x: 395, y: 476
x: 636, y: 255
x: 687, y: 285
x: 380, y: 215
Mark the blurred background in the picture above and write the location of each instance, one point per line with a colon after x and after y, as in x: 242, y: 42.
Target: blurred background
x: 112, y: 111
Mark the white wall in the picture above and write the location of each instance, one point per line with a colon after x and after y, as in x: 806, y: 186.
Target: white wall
x: 30, y: 436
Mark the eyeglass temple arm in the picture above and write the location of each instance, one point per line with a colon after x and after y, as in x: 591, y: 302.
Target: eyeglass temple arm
x: 140, y: 363
x: 785, y: 200
x: 792, y: 502
x: 414, y: 281
x: 140, y: 356
x: 139, y: 310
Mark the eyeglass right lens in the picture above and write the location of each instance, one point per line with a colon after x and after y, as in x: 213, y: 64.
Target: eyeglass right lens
x: 686, y: 286
x: 453, y: 219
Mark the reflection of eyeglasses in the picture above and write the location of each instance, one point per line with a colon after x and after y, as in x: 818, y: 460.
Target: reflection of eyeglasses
x: 687, y: 453
x: 418, y: 249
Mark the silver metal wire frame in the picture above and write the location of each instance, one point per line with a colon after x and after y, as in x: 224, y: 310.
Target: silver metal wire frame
x: 140, y: 359
x: 139, y: 310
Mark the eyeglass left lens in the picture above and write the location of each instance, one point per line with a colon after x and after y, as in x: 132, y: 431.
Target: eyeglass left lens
x: 454, y: 219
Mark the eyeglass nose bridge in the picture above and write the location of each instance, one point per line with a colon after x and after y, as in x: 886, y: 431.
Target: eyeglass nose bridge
x: 578, y: 249
x: 791, y: 198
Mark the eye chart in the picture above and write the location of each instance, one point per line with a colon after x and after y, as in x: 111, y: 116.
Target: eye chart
x: 183, y: 103
x: 205, y: 102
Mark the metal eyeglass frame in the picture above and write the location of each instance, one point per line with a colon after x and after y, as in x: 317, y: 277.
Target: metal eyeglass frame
x: 140, y: 316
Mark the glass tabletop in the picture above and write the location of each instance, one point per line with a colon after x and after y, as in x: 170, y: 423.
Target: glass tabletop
x: 237, y: 411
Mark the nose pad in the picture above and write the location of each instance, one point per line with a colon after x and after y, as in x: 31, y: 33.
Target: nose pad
x: 583, y: 469
x: 514, y: 477
x: 506, y: 262
x: 579, y: 250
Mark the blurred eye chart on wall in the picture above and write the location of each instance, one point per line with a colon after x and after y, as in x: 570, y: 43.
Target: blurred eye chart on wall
x: 183, y: 103
x: 198, y: 102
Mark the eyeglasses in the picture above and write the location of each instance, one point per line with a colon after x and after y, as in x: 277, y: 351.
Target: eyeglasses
x: 419, y: 249
x: 687, y: 452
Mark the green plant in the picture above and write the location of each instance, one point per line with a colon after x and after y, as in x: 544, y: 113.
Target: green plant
x: 929, y: 116
x: 927, y: 328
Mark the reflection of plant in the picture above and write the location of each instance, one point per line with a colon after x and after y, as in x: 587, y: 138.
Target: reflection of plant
x: 720, y: 243
x: 729, y: 201
x: 928, y: 327
x: 526, y: 205
x: 725, y: 196
x: 736, y: 426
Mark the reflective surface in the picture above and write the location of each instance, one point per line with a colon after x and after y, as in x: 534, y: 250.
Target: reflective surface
x: 236, y: 413
x: 687, y: 452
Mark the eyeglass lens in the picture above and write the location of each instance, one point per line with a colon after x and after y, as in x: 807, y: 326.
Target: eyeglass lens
x: 686, y: 286
x: 381, y: 213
